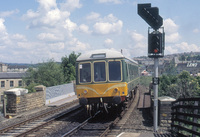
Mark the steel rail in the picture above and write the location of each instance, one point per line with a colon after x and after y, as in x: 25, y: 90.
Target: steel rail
x: 9, y: 127
x: 133, y: 100
x: 49, y: 121
x: 80, y: 125
x: 109, y: 126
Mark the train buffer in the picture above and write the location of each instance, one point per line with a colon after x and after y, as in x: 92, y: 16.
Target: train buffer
x: 144, y: 101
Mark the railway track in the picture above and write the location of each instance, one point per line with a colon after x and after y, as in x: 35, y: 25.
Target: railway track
x: 70, y: 123
x: 79, y: 126
x: 37, y: 126
x: 38, y: 121
x: 92, y: 126
x: 100, y: 125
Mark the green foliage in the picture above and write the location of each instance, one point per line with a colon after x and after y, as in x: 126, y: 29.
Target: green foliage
x: 145, y: 80
x: 182, y: 85
x: 182, y: 58
x: 68, y: 66
x: 189, y: 57
x: 47, y: 74
x: 31, y: 76
x: 51, y: 73
x: 31, y: 88
x: 164, y: 82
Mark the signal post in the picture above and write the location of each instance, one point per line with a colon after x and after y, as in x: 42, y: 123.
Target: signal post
x: 156, y: 46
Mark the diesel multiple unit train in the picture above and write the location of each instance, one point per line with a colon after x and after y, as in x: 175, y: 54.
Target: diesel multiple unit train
x: 105, y: 78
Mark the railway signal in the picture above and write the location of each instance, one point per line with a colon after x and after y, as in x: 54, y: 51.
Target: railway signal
x: 155, y: 46
x: 156, y: 38
x: 150, y: 15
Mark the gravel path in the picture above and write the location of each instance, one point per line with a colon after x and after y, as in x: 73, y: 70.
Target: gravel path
x: 141, y: 119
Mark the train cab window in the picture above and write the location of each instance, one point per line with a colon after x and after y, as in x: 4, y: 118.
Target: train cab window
x: 85, y: 72
x: 99, y: 72
x: 114, y: 70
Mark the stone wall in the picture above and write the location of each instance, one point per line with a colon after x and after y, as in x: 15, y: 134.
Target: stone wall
x: 164, y: 115
x: 22, y: 103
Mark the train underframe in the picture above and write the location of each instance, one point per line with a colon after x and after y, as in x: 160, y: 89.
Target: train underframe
x: 106, y: 104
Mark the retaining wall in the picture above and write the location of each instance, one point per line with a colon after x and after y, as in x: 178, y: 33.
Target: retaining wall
x: 18, y: 104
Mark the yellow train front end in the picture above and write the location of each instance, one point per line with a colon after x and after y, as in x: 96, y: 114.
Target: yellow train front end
x: 102, y: 79
x: 112, y: 93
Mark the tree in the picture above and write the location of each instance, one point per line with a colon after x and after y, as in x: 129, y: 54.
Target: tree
x: 174, y: 91
x: 189, y: 58
x: 68, y: 66
x: 164, y: 85
x: 198, y: 82
x: 51, y: 73
x: 47, y: 74
x: 182, y: 85
x: 182, y: 58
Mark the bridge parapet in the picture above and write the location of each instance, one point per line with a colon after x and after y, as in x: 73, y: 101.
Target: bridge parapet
x: 186, y: 117
x: 164, y: 112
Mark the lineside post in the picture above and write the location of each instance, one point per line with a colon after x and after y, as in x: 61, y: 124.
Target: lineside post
x: 156, y: 46
x: 155, y: 87
x: 4, y: 106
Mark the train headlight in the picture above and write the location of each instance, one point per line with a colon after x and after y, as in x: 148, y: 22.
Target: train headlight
x: 116, y: 90
x: 85, y: 91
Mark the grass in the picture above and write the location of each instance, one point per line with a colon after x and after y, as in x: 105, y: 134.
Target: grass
x: 145, y: 80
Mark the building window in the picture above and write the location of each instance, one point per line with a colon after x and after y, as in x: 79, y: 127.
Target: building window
x: 2, y: 84
x: 11, y: 83
x: 20, y: 83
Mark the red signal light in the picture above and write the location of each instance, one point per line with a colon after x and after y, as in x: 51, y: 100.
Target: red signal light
x: 155, y: 50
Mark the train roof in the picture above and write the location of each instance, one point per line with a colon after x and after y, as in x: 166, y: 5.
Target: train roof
x: 101, y: 54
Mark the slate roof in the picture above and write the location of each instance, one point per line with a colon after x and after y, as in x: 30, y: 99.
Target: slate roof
x: 17, y: 67
x: 12, y: 75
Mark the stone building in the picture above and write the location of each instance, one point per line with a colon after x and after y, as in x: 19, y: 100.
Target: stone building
x: 3, y: 67
x: 13, y: 68
x: 10, y: 80
x: 192, y: 67
x: 17, y: 68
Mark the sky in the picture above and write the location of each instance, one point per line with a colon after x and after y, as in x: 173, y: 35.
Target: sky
x: 35, y: 31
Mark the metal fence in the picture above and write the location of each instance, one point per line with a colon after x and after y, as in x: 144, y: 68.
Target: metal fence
x: 186, y: 117
x: 59, y: 92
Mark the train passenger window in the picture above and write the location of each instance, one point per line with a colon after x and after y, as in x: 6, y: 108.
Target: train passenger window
x: 99, y: 72
x: 114, y: 71
x: 126, y: 69
x: 85, y: 72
